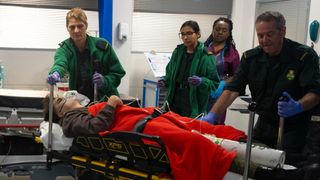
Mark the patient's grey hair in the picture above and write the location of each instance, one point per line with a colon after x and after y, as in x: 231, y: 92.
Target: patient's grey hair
x: 45, y: 104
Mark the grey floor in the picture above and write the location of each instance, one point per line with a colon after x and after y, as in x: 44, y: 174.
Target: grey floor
x: 5, y: 177
x: 35, y: 171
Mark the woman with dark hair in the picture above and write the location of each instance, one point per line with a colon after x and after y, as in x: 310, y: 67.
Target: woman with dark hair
x: 190, y: 75
x: 220, y: 43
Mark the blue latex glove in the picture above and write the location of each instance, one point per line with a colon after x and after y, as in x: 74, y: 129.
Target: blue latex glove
x: 53, y: 78
x: 289, y: 108
x: 195, y: 80
x: 211, y: 118
x: 161, y: 83
x: 217, y: 93
x: 98, y: 79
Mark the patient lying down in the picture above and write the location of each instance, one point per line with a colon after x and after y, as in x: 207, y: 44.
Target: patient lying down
x: 192, y: 156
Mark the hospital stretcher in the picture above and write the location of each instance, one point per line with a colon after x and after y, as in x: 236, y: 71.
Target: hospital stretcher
x: 124, y: 155
x: 116, y: 155
x: 127, y: 155
x: 20, y: 117
x: 119, y: 154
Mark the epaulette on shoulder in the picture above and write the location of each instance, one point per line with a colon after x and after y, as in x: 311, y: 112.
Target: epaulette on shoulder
x: 102, y: 44
x: 206, y: 51
x: 303, y: 53
x: 251, y: 53
x: 61, y: 44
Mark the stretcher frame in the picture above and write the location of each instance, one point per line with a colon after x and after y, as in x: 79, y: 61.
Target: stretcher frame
x: 120, y: 154
x: 117, y: 155
x: 20, y: 111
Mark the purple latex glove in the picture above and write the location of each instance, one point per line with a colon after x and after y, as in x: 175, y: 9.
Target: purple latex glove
x: 98, y: 79
x: 290, y: 107
x: 53, y: 78
x: 161, y: 83
x: 195, y: 80
x: 211, y: 118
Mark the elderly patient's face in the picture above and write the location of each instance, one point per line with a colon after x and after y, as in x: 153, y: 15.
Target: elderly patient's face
x: 62, y: 105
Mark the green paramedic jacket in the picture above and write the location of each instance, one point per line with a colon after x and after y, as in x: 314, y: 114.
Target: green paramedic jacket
x: 65, y: 61
x: 202, y: 65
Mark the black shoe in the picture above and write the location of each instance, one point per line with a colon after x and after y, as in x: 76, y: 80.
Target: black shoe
x: 296, y: 159
x: 264, y: 173
x: 314, y: 158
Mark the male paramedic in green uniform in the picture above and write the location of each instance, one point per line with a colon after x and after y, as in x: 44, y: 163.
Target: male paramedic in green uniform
x: 277, y: 67
x: 88, y: 60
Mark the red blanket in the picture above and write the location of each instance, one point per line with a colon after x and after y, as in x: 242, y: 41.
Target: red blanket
x: 191, y: 155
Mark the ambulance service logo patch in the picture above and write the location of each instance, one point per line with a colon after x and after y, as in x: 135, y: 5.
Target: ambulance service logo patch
x: 291, y: 74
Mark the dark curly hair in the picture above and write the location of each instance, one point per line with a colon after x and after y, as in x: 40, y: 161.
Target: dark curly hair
x: 229, y: 42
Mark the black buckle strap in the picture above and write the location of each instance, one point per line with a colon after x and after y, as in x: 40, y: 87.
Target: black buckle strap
x: 139, y: 127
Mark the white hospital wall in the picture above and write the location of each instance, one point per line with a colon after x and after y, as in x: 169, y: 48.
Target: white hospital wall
x: 26, y: 68
x: 122, y: 12
x: 243, y: 17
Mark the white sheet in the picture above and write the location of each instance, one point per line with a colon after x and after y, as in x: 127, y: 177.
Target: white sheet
x: 59, y: 141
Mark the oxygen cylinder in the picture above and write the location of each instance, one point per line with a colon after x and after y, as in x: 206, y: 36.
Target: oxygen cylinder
x: 259, y: 155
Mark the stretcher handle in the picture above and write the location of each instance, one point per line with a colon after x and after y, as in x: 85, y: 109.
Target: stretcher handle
x: 252, y: 108
x: 95, y: 92
x: 281, y: 125
x: 49, y: 150
x: 97, y: 68
x: 280, y: 133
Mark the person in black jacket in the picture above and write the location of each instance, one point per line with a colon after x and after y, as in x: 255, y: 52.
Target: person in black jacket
x: 277, y: 67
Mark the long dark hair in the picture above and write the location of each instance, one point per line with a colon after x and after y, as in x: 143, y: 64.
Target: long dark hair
x: 229, y: 42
